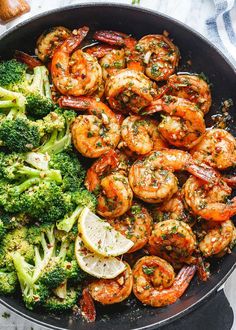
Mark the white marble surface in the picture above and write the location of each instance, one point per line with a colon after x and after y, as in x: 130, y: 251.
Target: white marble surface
x: 193, y: 13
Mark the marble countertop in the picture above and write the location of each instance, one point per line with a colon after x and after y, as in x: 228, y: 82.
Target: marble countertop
x: 191, y: 12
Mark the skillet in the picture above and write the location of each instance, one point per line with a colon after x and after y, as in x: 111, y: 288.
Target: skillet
x: 202, y: 57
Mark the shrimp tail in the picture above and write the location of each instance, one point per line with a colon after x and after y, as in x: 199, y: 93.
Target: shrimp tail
x: 79, y: 103
x: 204, y: 172
x: 184, y: 277
x: 72, y: 42
x: 110, y: 37
x: 30, y: 61
x: 231, y: 181
x: 87, y: 306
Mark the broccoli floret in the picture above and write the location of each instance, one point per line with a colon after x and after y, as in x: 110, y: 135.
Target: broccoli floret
x: 59, y: 305
x: 82, y: 198
x: 8, y: 281
x: 10, y: 221
x: 15, y: 240
x: 34, y: 85
x: 46, y: 202
x: 58, y: 139
x: 33, y: 291
x: 71, y: 169
x: 17, y: 132
x: 19, y: 135
x: 12, y: 73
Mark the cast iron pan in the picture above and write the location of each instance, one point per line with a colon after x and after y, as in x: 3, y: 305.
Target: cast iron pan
x: 204, y: 58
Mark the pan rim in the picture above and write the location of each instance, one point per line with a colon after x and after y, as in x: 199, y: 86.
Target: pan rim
x: 199, y: 36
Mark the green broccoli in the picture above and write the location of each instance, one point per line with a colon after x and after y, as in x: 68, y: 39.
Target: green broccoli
x: 71, y: 170
x: 17, y: 132
x: 12, y: 73
x: 33, y: 291
x: 8, y: 281
x: 15, y: 240
x: 10, y: 221
x: 34, y: 85
x: 82, y: 198
x: 59, y: 305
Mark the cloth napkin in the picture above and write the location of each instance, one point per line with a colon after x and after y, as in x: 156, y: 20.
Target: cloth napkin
x: 222, y: 28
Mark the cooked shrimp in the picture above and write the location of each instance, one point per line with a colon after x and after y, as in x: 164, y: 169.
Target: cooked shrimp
x: 49, y: 41
x: 135, y: 225
x: 217, y: 149
x: 172, y: 240
x: 184, y: 125
x: 107, y: 179
x: 129, y: 91
x: 152, y: 178
x: 217, y: 238
x: 111, y: 60
x: 155, y: 283
x: 190, y: 87
x: 75, y: 73
x: 141, y: 134
x: 172, y: 209
x: 208, y: 200
x: 95, y: 133
x: 160, y: 56
x: 112, y: 291
x: 132, y: 56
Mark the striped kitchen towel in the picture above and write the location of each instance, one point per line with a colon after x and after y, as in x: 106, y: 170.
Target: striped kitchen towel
x: 222, y: 28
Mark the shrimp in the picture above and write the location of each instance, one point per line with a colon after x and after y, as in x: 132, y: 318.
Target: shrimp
x: 172, y: 209
x: 120, y: 39
x: 217, y: 149
x: 141, y: 134
x: 129, y: 91
x: 135, y: 224
x: 107, y: 179
x: 192, y: 88
x: 159, y: 55
x: 184, y: 125
x: 111, y: 59
x: 95, y: 133
x: 155, y: 283
x: 172, y: 240
x: 152, y: 178
x: 112, y: 291
x: 208, y: 200
x: 75, y: 73
x: 49, y: 41
x: 217, y: 238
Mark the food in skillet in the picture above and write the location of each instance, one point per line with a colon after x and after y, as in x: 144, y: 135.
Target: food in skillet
x: 120, y: 107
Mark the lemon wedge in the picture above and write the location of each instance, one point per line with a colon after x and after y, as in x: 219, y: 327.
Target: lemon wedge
x: 95, y: 265
x: 100, y: 237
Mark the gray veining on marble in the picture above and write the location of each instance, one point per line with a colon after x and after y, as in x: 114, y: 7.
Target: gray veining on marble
x: 191, y: 12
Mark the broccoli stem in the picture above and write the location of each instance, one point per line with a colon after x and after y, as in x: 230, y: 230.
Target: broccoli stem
x: 24, y: 186
x: 17, y: 99
x: 40, y: 81
x: 56, y: 144
x: 53, y: 175
x: 68, y: 222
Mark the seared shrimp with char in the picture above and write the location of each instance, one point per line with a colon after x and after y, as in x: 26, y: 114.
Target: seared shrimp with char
x: 152, y: 178
x: 209, y: 200
x: 155, y: 283
x: 107, y: 179
x: 172, y: 240
x: 217, y: 149
x: 112, y: 291
x: 96, y: 132
x: 218, y: 237
x: 141, y: 135
x: 183, y: 125
x: 135, y: 224
x: 160, y: 56
x: 75, y: 72
x: 190, y: 87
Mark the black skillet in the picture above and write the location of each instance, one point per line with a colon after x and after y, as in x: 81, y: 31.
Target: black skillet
x: 204, y: 58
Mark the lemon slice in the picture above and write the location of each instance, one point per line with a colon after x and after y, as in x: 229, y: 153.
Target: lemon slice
x: 95, y: 265
x: 100, y: 237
